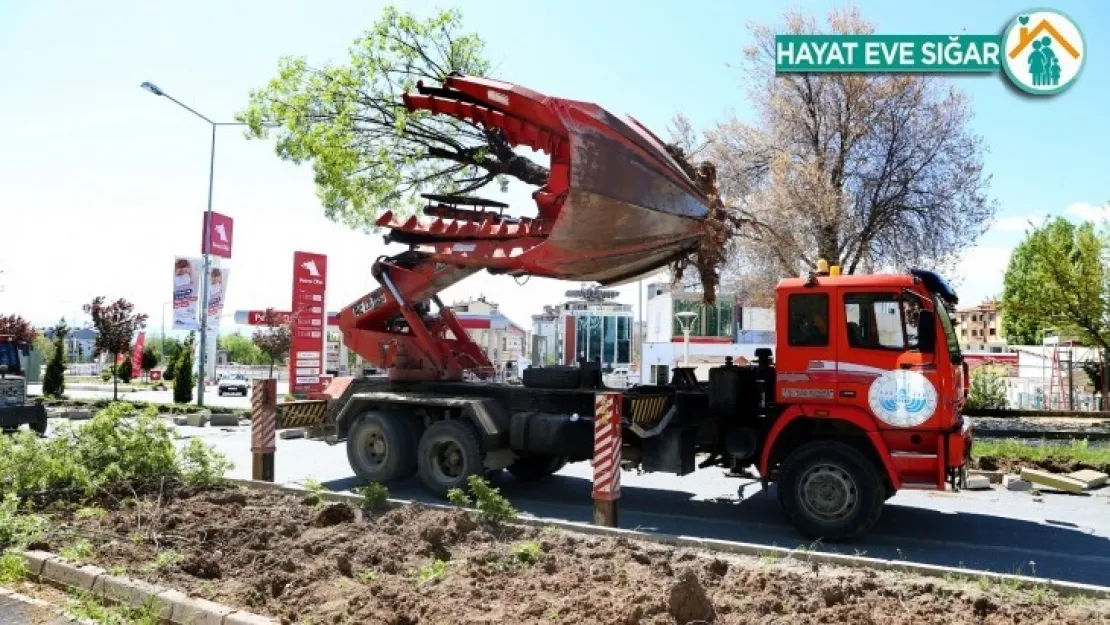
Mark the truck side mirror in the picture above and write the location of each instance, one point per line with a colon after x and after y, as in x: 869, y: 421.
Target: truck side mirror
x: 926, y: 332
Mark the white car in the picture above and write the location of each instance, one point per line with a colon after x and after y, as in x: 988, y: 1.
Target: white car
x: 236, y: 383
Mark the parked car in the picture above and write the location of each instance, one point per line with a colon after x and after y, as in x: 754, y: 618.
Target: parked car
x: 236, y: 383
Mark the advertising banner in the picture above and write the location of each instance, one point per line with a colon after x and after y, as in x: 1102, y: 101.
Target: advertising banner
x: 306, y: 360
x: 137, y: 356
x: 218, y: 233
x: 217, y: 289
x: 186, y: 292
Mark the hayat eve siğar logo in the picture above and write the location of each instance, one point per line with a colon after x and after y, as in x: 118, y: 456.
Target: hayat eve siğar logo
x: 1043, y: 51
x: 902, y: 398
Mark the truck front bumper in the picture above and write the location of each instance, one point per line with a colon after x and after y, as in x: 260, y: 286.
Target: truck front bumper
x: 31, y: 414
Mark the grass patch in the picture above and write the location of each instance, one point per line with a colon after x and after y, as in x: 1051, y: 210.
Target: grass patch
x: 80, y: 552
x: 1013, y: 449
x: 12, y: 568
x: 432, y: 573
x: 166, y: 560
x: 90, y: 513
x: 83, y: 606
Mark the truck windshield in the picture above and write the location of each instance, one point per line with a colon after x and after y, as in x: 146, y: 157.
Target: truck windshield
x: 949, y: 331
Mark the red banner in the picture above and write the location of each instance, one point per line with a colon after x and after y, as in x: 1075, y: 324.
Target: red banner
x: 306, y: 360
x: 137, y: 356
x: 218, y: 234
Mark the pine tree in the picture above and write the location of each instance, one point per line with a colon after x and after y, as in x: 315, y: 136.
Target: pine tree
x: 54, y: 382
x: 123, y: 371
x: 183, y: 379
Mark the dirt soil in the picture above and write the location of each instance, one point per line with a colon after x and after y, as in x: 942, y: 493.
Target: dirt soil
x: 301, y: 560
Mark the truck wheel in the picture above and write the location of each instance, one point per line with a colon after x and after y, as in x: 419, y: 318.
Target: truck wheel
x: 380, y: 448
x: 830, y: 491
x: 555, y: 378
x: 450, y: 451
x: 536, y: 467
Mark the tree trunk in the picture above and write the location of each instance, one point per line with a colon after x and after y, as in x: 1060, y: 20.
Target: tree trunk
x: 115, y: 379
x: 271, y: 368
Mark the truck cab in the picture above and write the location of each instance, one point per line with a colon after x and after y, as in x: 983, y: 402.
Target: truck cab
x: 870, y: 384
x: 14, y: 408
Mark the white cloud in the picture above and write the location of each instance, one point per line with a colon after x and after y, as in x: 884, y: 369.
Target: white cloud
x: 979, y: 273
x: 1017, y: 223
x: 1089, y: 212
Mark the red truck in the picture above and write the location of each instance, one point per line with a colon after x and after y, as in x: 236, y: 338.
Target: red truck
x: 862, y: 397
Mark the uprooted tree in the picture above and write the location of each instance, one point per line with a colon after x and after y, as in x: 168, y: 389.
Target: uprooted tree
x: 116, y: 324
x: 864, y: 171
x: 368, y: 151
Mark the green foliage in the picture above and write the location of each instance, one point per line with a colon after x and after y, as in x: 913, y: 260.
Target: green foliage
x: 242, y: 350
x: 202, y: 465
x: 184, y: 380
x: 106, y: 374
x: 458, y: 497
x: 13, y: 568
x: 528, y: 553
x: 93, y: 512
x: 493, y: 508
x: 432, y: 573
x: 17, y: 528
x: 117, y: 447
x: 123, y: 370
x: 86, y: 607
x: 150, y: 359
x: 367, y: 576
x: 54, y: 381
x: 374, y: 495
x: 1057, y: 277
x: 79, y: 552
x: 166, y: 560
x: 370, y: 153
x: 1073, y: 451
x: 988, y: 388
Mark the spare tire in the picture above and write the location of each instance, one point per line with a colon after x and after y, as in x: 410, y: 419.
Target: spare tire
x: 557, y: 377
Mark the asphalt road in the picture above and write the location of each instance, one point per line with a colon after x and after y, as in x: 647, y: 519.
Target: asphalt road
x: 211, y: 398
x: 1065, y: 537
x: 16, y: 612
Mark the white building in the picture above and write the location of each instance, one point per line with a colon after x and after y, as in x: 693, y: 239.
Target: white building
x: 503, y: 341
x: 545, y: 336
x: 727, y: 328
x: 585, y: 327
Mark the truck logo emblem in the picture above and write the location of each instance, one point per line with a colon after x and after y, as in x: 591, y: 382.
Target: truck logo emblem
x: 902, y: 398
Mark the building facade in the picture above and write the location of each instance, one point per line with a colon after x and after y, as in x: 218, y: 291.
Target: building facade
x: 503, y: 341
x: 587, y: 326
x: 979, y: 328
x: 725, y: 329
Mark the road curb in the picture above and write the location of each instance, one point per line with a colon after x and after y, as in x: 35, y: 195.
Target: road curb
x: 174, y: 606
x: 45, y: 606
x: 748, y: 549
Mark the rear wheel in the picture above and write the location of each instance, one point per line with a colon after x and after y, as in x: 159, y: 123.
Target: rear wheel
x: 380, y: 447
x: 830, y: 491
x: 536, y: 467
x: 450, y: 452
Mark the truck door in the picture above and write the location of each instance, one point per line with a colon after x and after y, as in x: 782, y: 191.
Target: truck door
x: 879, y: 369
x: 806, y: 358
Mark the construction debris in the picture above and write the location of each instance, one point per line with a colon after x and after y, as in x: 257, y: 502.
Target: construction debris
x: 995, y: 477
x: 1091, y: 479
x: 1052, y: 480
x: 978, y: 482
x: 1015, y: 483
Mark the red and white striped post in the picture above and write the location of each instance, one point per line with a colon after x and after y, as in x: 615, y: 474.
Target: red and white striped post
x: 607, y: 458
x: 263, y: 428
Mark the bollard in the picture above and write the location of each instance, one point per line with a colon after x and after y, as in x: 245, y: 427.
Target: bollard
x: 263, y: 428
x: 607, y: 458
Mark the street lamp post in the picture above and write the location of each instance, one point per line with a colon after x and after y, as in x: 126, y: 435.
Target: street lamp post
x: 151, y: 87
x: 686, y: 320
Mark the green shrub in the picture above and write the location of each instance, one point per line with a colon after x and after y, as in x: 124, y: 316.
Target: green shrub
x: 13, y: 568
x: 17, y: 529
x: 118, y: 446
x: 106, y: 375
x: 493, y: 508
x: 988, y: 388
x: 374, y: 495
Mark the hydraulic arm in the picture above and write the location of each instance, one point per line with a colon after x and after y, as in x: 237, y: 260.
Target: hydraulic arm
x: 615, y: 206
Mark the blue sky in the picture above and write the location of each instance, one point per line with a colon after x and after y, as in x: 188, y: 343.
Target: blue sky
x: 103, y: 183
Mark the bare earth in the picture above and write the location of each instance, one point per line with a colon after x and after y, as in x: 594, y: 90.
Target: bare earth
x: 298, y: 560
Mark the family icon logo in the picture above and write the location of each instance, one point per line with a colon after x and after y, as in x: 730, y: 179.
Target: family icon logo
x: 1045, y: 51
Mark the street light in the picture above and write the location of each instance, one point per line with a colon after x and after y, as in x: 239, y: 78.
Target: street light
x: 154, y: 89
x: 686, y: 320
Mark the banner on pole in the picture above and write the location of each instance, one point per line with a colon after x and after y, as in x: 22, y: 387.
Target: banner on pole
x: 137, y: 356
x: 186, y: 292
x: 306, y: 360
x: 217, y: 288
